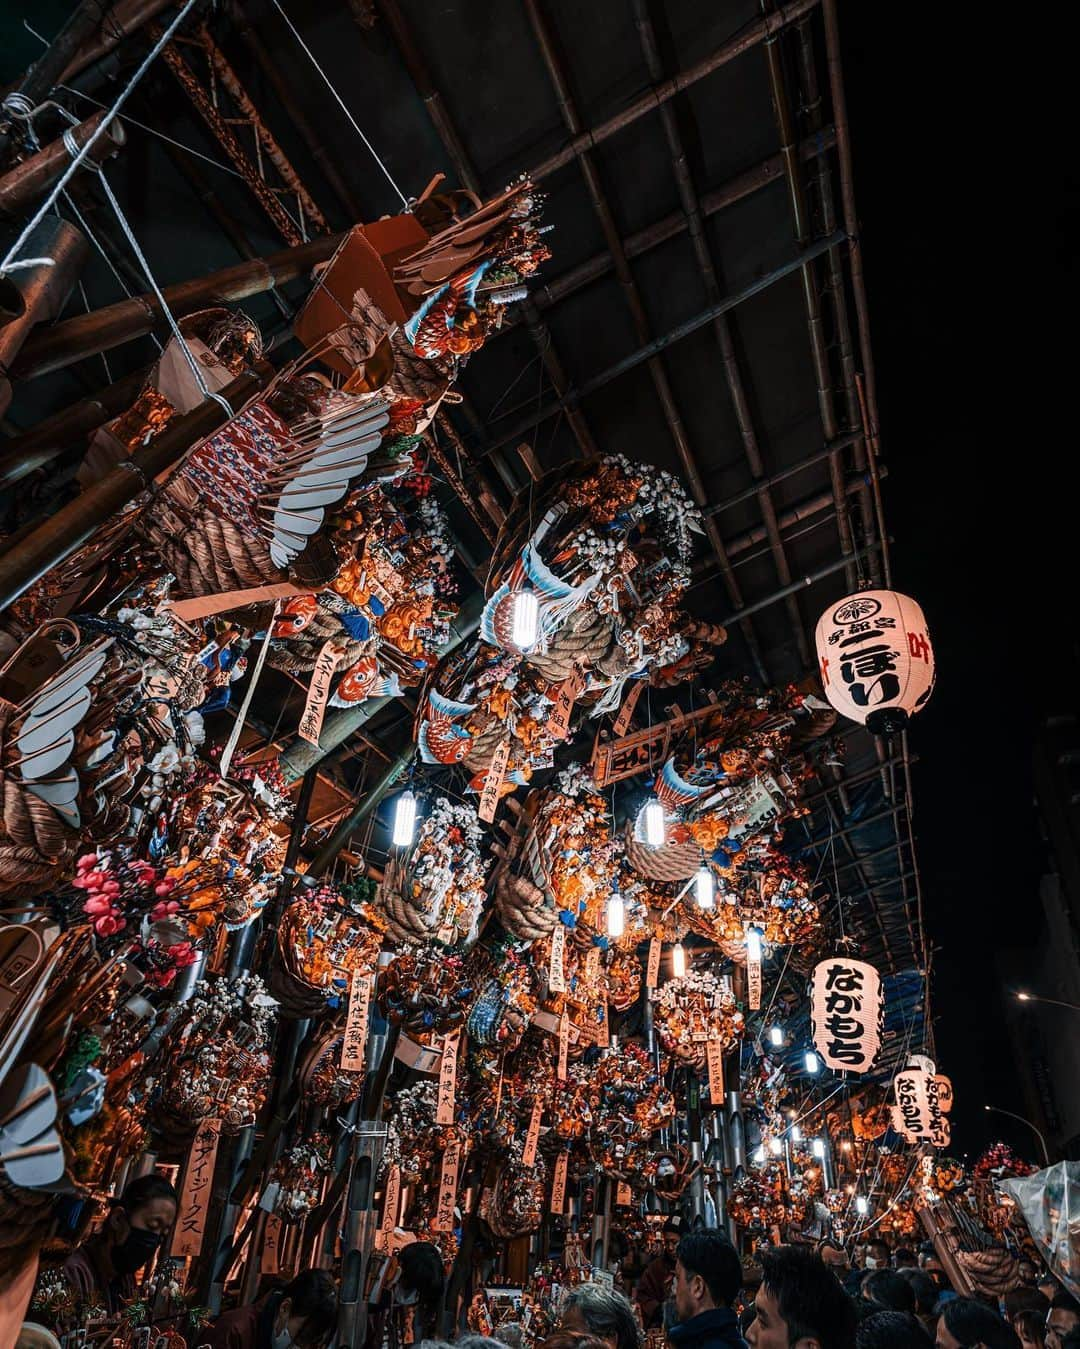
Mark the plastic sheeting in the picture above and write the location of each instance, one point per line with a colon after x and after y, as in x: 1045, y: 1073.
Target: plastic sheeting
x: 1050, y: 1203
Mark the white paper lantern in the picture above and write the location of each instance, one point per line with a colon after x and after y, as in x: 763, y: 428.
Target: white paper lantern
x: 846, y: 1009
x: 875, y: 659
x: 924, y: 1100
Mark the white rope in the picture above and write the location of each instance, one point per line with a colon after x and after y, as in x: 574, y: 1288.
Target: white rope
x: 69, y: 173
x: 340, y: 102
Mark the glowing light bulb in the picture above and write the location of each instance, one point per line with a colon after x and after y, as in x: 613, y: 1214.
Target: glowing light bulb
x: 818, y: 1148
x: 704, y: 890
x: 526, y: 623
x: 845, y: 1146
x: 759, y: 1156
x: 775, y: 1147
x: 811, y: 1062
x: 753, y: 945
x: 404, y: 820
x: 655, y: 832
x: 861, y: 1206
x: 678, y: 960
x: 776, y: 1035
x: 616, y: 916
x: 796, y: 1134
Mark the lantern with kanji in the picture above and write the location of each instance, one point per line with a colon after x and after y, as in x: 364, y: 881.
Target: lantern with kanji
x: 875, y: 659
x: 846, y: 1007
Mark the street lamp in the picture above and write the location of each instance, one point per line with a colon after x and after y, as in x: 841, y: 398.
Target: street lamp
x: 1055, y: 1002
x: 997, y: 1110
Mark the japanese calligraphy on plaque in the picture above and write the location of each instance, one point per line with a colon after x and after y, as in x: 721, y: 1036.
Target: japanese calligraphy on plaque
x: 923, y: 1101
x: 532, y: 1138
x: 195, y: 1192
x: 558, y: 724
x: 714, y: 1055
x: 875, y: 658
x: 354, y: 1040
x: 556, y: 968
x: 622, y: 722
x: 326, y: 662
x: 391, y: 1202
x: 846, y: 1007
x: 753, y: 982
x: 270, y: 1256
x: 444, y: 1110
x: 558, y: 1184
x: 564, y: 1045
x: 652, y: 965
x: 623, y: 1194
x: 489, y: 797
x: 448, y: 1179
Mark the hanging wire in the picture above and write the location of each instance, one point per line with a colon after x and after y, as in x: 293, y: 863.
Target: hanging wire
x: 341, y: 103
x: 9, y: 264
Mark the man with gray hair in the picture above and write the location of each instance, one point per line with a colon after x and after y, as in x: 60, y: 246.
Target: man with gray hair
x: 590, y: 1309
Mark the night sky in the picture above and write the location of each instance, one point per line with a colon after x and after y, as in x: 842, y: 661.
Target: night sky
x: 966, y: 219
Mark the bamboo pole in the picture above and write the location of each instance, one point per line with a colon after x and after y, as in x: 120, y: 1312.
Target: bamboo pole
x: 86, y: 335
x: 34, y: 176
x: 44, y: 288
x: 60, y: 535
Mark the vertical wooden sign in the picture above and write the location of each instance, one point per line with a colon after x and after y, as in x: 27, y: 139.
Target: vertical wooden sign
x: 622, y: 721
x: 556, y: 966
x: 318, y: 694
x: 489, y: 797
x: 623, y: 1194
x: 270, y: 1255
x: 354, y: 1041
x: 444, y: 1111
x: 558, y: 724
x: 558, y: 1184
x: 195, y: 1192
x: 564, y: 1045
x: 753, y: 983
x: 448, y: 1179
x: 532, y: 1138
x: 391, y: 1202
x: 714, y: 1053
x: 652, y: 966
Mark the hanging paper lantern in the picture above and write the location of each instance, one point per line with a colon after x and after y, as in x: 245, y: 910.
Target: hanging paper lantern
x: 846, y: 1006
x: 875, y: 659
x: 923, y: 1100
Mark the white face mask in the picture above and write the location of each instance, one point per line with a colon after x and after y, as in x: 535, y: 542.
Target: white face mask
x: 283, y: 1340
x: 870, y: 1262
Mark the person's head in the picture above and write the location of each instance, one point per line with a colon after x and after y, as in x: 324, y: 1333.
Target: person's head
x: 567, y: 1339
x: 510, y: 1333
x: 889, y: 1289
x: 965, y: 1323
x: 1027, y: 1272
x: 670, y: 1235
x: 878, y: 1254
x: 924, y: 1288
x: 905, y: 1258
x: 1072, y: 1339
x: 833, y: 1255
x: 1030, y: 1324
x: 936, y: 1270
x: 1063, y: 1316
x: 139, y: 1222
x: 307, y: 1310
x: 800, y: 1304
x: 422, y: 1273
x: 589, y: 1309
x: 1019, y: 1300
x: 891, y: 1330
x: 1048, y: 1286
x: 708, y: 1273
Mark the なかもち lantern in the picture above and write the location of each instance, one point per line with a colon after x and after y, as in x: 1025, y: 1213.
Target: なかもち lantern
x: 875, y: 659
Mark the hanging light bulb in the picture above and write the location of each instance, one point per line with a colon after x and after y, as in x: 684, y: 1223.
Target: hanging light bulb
x: 616, y: 916
x: 703, y: 887
x: 775, y: 1147
x: 776, y: 1035
x: 678, y: 960
x: 654, y: 823
x: 404, y: 819
x: 759, y: 1155
x: 526, y: 622
x: 796, y: 1134
x: 811, y: 1062
x: 861, y: 1206
x: 753, y: 945
x: 818, y: 1148
x: 845, y: 1146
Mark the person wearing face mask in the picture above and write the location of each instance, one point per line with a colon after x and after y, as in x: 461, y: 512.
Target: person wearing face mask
x: 302, y: 1315
x: 878, y: 1255
x: 102, y: 1268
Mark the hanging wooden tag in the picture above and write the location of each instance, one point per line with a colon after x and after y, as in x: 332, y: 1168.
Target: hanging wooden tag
x: 448, y: 1179
x: 269, y: 1256
x: 592, y: 963
x: 532, y: 1138
x: 190, y: 611
x: 558, y: 724
x: 564, y: 1045
x: 603, y: 1030
x: 753, y: 983
x: 558, y: 1184
x: 489, y: 797
x: 556, y: 968
x: 354, y: 1041
x: 622, y: 721
x: 318, y: 694
x: 444, y: 1111
x: 714, y: 1053
x: 391, y: 1201
x: 196, y: 1190
x: 652, y: 967
x: 623, y: 1194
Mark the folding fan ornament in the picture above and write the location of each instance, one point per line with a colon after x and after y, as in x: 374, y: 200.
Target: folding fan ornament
x: 61, y: 760
x: 31, y: 1153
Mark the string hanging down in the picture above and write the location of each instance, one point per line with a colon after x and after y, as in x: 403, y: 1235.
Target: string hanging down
x: 77, y: 160
x: 341, y: 103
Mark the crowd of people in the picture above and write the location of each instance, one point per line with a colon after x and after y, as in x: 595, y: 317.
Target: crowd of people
x: 695, y: 1293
